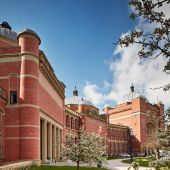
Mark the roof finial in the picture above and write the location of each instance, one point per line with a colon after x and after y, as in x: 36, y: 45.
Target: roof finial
x: 4, y: 24
x: 75, y: 92
x: 132, y: 89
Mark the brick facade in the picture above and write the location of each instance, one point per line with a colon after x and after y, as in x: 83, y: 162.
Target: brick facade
x: 31, y: 100
x: 137, y: 114
x: 34, y: 117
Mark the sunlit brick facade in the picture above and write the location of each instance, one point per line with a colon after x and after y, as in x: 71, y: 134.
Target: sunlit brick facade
x: 115, y: 137
x: 35, y: 117
x: 142, y: 118
x: 31, y: 99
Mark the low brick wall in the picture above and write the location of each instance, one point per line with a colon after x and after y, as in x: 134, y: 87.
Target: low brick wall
x: 17, y: 165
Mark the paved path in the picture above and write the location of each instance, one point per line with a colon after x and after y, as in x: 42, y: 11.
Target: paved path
x: 117, y: 164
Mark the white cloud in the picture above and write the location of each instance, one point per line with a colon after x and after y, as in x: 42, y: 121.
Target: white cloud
x: 92, y: 93
x: 106, y: 84
x: 145, y: 74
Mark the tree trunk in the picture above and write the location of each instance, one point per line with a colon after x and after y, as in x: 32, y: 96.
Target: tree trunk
x: 78, y: 165
x: 157, y: 154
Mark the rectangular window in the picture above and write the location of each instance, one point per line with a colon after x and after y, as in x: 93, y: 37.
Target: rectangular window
x: 13, y: 97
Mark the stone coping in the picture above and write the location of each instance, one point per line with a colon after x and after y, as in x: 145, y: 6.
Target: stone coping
x: 19, y: 164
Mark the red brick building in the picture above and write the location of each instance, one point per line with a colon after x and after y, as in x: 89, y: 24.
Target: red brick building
x: 35, y: 117
x: 142, y: 117
x: 115, y: 137
x: 31, y: 99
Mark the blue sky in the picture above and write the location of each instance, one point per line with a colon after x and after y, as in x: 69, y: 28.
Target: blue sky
x: 77, y: 38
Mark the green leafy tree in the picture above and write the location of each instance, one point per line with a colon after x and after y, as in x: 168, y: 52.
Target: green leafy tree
x: 87, y: 148
x: 154, y: 42
x: 164, y: 134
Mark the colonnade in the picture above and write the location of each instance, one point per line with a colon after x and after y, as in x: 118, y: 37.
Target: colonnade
x: 51, y: 136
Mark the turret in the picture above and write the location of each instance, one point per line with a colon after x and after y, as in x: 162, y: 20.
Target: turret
x: 29, y: 85
x: 132, y: 89
x: 29, y: 41
x: 75, y: 92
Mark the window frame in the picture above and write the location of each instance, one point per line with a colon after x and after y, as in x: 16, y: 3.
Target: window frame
x: 13, y: 100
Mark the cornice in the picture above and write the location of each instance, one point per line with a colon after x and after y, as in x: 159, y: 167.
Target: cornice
x: 49, y: 74
x: 118, y: 110
x: 96, y: 117
x: 9, y: 41
x: 112, y: 126
x: 67, y: 109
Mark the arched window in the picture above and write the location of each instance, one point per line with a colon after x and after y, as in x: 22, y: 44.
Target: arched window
x: 67, y: 121
x: 72, y: 122
x: 76, y: 124
x: 13, y: 92
x: 150, y: 129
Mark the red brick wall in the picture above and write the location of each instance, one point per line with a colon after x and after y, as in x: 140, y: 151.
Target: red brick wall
x: 134, y: 115
x: 95, y: 125
x: 53, y: 106
x: 29, y: 43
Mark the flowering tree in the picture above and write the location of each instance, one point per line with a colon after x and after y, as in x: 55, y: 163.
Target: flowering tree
x: 164, y: 134
x: 87, y: 148
x: 153, y: 42
x: 162, y: 141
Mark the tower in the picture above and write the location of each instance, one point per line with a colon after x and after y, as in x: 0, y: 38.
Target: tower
x: 29, y: 83
x: 75, y: 92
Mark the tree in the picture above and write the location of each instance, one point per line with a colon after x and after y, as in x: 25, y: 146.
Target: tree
x: 152, y: 145
x: 163, y: 141
x: 164, y: 134
x: 87, y: 148
x: 155, y: 42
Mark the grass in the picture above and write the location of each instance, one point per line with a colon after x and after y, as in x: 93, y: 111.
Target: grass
x: 113, y: 158
x: 44, y: 167
x: 142, y: 161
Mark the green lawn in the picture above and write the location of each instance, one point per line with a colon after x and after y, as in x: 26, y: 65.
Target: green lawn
x: 113, y: 158
x: 142, y: 161
x: 43, y: 167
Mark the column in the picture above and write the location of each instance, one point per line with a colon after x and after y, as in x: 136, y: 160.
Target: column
x: 58, y: 143
x: 50, y: 141
x: 54, y: 143
x: 44, y: 141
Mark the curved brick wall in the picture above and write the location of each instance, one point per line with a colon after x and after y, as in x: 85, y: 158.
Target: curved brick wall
x: 29, y: 111
x: 29, y: 43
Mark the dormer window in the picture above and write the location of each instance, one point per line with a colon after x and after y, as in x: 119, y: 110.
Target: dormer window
x: 13, y: 97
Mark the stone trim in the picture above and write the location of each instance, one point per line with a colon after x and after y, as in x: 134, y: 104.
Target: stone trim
x: 29, y: 75
x: 18, y: 165
x: 16, y: 138
x: 49, y: 74
x: 44, y: 116
x: 9, y: 59
x: 68, y: 111
x: 3, y: 77
x: 10, y: 41
x: 18, y: 57
x: 21, y: 105
x: 13, y: 126
x: 30, y: 57
x: 110, y: 112
x: 125, y: 116
x: 20, y: 76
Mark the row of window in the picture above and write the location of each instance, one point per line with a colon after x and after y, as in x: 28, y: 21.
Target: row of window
x: 117, y: 134
x: 118, y: 147
x: 72, y: 123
